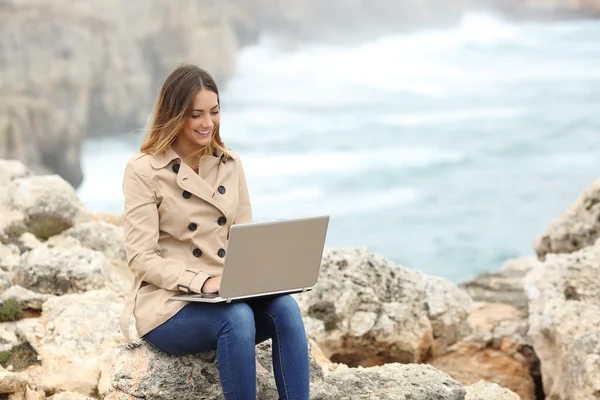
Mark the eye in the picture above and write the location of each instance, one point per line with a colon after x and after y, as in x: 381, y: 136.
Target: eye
x: 196, y: 116
x: 214, y: 112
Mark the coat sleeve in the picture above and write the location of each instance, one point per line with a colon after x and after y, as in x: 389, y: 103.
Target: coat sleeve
x: 244, y: 210
x: 141, y: 229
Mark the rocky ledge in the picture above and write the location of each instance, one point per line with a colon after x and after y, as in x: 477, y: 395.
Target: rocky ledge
x: 377, y: 330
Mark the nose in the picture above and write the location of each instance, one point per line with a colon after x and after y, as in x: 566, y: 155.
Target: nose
x: 206, y: 123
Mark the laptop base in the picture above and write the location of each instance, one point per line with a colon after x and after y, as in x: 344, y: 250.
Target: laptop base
x: 215, y: 298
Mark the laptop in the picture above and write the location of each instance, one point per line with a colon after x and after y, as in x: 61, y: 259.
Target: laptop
x: 269, y: 258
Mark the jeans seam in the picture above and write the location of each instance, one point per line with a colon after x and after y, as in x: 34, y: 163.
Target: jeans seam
x: 229, y: 364
x: 279, y: 351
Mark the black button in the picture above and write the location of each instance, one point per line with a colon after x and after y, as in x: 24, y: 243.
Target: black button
x: 221, y: 253
x: 192, y: 227
x: 175, y: 168
x: 197, y: 252
x: 186, y: 194
x: 221, y: 189
x: 222, y: 221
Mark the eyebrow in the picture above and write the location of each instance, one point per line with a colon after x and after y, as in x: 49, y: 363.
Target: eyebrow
x: 195, y: 109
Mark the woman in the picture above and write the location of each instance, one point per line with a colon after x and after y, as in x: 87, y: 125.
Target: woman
x: 182, y: 193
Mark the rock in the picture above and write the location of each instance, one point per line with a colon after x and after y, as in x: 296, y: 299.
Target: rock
x: 115, y: 219
x: 68, y: 396
x: 144, y: 372
x: 389, y: 382
x: 74, y: 338
x: 100, y: 236
x: 5, y: 280
x: 11, y: 382
x: 574, y: 229
x: 498, y: 351
x: 504, y: 286
x: 48, y: 203
x: 499, y: 325
x: 11, y: 170
x: 8, y: 336
x: 10, y: 257
x: 27, y: 241
x: 470, y: 362
x: 489, y: 391
x: 60, y: 271
x: 28, y: 299
x: 564, y: 322
x: 366, y: 310
x: 141, y: 371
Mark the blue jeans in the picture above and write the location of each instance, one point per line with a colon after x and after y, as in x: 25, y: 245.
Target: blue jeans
x: 234, y: 329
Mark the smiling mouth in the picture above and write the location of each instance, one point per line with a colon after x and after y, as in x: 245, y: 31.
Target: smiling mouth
x: 203, y: 133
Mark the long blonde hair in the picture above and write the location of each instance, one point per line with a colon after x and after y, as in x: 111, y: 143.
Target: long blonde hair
x: 173, y: 107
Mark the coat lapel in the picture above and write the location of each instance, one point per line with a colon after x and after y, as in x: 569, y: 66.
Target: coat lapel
x: 188, y: 180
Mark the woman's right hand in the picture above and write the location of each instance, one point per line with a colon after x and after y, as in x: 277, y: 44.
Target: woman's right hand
x: 212, y: 285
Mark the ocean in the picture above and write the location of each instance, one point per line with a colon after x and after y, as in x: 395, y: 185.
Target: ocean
x: 447, y: 151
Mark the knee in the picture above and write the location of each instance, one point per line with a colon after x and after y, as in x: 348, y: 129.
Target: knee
x: 239, y: 320
x: 285, y: 308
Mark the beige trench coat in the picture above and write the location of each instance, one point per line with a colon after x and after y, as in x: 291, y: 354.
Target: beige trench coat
x: 176, y: 225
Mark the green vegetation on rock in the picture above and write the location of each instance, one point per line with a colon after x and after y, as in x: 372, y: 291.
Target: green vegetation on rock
x: 10, y: 310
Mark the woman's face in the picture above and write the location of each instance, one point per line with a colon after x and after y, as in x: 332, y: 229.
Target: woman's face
x: 202, y: 120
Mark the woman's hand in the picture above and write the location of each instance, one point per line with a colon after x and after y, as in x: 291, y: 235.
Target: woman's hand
x: 212, y: 285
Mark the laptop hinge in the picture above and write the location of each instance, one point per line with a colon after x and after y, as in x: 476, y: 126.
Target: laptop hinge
x: 306, y: 289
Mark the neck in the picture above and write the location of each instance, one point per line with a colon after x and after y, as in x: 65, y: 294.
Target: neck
x: 185, y: 151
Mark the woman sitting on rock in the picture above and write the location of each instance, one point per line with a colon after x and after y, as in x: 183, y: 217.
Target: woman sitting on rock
x: 182, y: 193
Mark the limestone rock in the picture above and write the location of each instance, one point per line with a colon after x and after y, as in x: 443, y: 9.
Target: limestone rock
x: 49, y: 204
x: 366, y: 310
x: 8, y: 336
x: 498, y: 351
x: 5, y: 280
x: 141, y: 371
x: 100, y: 236
x: 28, y: 299
x: 574, y: 229
x: 11, y: 382
x: 504, y: 286
x: 564, y: 322
x: 11, y: 170
x: 69, y: 396
x: 60, y: 271
x: 389, y: 382
x: 74, y: 338
x: 483, y: 390
x: 10, y: 257
x: 144, y: 372
x: 470, y: 362
x: 28, y: 241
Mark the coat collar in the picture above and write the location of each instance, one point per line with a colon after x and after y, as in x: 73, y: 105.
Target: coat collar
x: 161, y: 160
x: 187, y: 179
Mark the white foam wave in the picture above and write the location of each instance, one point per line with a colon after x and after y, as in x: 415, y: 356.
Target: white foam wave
x: 303, y: 202
x: 486, y: 29
x: 431, y: 118
x: 341, y: 163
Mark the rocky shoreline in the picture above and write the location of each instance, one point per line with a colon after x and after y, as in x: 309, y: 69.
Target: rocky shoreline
x: 377, y: 330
